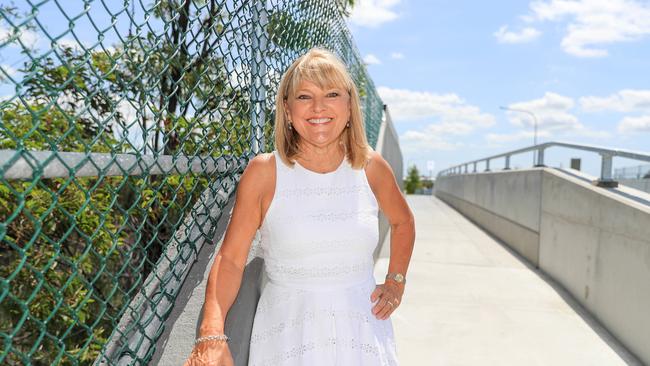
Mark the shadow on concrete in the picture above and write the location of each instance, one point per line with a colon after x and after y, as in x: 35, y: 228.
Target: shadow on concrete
x: 239, y: 321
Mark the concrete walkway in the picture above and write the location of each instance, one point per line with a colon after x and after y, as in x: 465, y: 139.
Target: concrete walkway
x: 471, y: 301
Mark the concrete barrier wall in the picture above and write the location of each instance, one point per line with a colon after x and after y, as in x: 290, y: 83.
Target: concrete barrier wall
x: 595, y: 242
x: 487, y: 199
x: 388, y: 147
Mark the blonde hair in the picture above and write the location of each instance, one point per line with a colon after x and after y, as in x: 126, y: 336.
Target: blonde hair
x: 324, y: 69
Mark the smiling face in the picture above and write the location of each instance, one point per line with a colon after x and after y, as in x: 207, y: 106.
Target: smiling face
x: 319, y: 97
x: 318, y: 115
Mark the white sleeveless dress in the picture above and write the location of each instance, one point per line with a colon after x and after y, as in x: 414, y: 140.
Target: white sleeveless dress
x: 317, y: 238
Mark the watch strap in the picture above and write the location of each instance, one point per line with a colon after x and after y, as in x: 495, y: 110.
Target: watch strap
x: 397, y: 277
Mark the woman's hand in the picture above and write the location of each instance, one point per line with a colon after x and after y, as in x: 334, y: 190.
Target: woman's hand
x: 389, y: 295
x: 210, y: 353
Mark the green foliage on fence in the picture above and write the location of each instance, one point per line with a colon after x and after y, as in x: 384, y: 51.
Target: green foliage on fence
x: 175, y: 78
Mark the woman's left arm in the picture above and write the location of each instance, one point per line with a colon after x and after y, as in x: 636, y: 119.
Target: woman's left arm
x: 402, y: 233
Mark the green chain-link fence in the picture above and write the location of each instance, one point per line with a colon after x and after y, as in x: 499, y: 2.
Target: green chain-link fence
x: 123, y: 128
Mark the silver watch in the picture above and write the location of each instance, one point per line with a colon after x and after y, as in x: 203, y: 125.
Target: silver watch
x: 397, y: 277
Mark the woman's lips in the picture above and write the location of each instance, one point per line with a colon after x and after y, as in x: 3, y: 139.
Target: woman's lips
x: 319, y: 121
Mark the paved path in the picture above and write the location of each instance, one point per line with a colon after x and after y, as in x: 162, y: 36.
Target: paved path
x: 471, y: 301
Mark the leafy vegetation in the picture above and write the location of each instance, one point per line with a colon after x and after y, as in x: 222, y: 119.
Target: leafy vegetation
x: 74, y: 251
x: 412, y: 182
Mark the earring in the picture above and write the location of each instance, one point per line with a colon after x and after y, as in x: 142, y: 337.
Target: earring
x: 347, y: 125
x: 290, y: 126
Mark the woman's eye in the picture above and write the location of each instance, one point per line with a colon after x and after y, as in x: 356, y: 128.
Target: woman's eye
x: 333, y: 94
x: 303, y: 96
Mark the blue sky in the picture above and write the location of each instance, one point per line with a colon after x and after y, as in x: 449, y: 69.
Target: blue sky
x: 444, y: 68
x: 582, y: 67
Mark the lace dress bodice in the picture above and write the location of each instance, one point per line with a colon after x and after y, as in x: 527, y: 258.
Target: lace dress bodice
x: 318, y: 237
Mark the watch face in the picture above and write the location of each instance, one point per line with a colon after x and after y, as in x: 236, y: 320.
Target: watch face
x: 399, y: 277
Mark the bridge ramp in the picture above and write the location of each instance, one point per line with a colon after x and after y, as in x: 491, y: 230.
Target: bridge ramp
x: 470, y: 300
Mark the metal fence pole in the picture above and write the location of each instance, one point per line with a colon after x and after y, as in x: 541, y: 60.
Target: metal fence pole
x: 540, y: 158
x: 258, y: 73
x: 606, y: 179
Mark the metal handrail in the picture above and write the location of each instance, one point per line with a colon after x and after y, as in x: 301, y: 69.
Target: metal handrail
x: 27, y: 164
x: 606, y: 154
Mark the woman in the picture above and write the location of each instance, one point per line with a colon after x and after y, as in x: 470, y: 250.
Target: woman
x: 315, y: 202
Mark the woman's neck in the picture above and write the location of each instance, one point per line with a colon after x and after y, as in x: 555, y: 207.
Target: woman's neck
x: 325, y: 158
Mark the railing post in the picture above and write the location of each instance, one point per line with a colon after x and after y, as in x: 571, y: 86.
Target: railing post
x: 540, y: 158
x: 606, y: 179
x: 465, y: 169
x: 507, y: 163
x: 487, y: 165
x: 258, y: 73
x: 474, y: 167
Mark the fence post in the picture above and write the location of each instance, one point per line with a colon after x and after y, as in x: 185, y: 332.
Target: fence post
x: 259, y: 45
x: 507, y: 163
x: 540, y: 158
x: 606, y: 172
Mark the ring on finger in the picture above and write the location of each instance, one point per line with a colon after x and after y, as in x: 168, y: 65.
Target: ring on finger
x: 390, y: 303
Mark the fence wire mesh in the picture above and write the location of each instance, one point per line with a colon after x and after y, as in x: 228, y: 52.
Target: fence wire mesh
x: 124, y: 127
x: 633, y: 172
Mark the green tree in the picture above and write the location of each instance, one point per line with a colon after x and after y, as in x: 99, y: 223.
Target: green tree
x: 74, y: 251
x: 412, y: 181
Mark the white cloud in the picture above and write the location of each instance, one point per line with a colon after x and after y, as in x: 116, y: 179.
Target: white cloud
x: 500, y: 138
x: 452, y: 115
x: 627, y: 100
x: 634, y: 124
x: 28, y: 37
x: 371, y: 59
x: 553, y: 114
x: 497, y: 139
x: 409, y: 105
x: 525, y: 35
x: 373, y: 13
x: 397, y: 55
x: 417, y: 142
x: 592, y: 24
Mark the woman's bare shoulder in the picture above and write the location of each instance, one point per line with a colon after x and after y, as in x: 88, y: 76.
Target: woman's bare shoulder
x: 259, y: 173
x: 262, y: 162
x: 377, y: 168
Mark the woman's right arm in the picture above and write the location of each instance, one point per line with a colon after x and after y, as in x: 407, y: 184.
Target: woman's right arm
x: 227, y: 270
